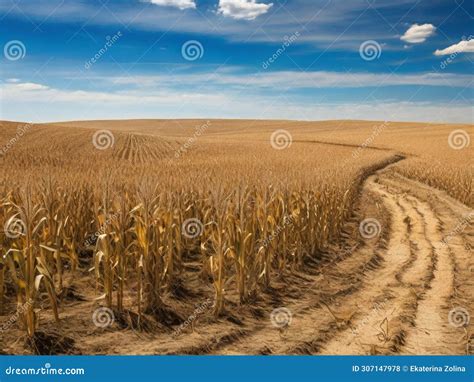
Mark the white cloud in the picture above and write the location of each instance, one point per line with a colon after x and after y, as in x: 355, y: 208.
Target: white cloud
x: 29, y: 86
x: 162, y: 96
x: 465, y: 46
x: 41, y: 93
x: 323, y: 33
x: 243, y: 9
x: 293, y: 80
x: 181, y: 4
x: 418, y: 33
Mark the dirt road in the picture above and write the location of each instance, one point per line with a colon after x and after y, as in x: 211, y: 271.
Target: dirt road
x: 400, y: 282
x: 406, y: 290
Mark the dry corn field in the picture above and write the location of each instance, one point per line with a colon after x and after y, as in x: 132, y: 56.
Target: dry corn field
x: 236, y: 237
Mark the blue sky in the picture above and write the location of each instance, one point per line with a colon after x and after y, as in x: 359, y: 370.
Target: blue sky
x: 301, y: 59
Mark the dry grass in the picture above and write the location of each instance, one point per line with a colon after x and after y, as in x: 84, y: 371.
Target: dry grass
x: 256, y: 212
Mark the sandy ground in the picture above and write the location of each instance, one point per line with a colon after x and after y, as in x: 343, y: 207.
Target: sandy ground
x: 405, y: 297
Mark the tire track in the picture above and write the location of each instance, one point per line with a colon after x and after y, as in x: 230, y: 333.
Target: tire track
x: 432, y: 332
x: 373, y: 332
x: 390, y: 296
x: 344, y: 313
x: 339, y: 278
x: 400, y: 307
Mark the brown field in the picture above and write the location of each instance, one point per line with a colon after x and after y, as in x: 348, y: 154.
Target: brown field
x: 220, y: 237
